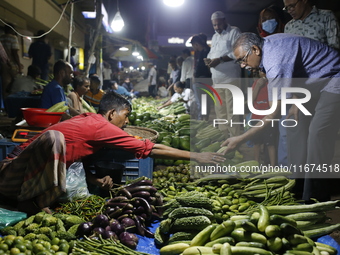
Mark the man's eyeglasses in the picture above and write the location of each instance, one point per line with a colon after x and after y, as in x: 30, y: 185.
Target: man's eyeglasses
x: 243, y: 61
x: 290, y: 7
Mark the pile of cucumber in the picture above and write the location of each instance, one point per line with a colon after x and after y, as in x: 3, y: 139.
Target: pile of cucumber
x: 262, y: 232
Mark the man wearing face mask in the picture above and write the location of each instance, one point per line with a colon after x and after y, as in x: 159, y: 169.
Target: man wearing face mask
x: 320, y: 25
x: 223, y: 70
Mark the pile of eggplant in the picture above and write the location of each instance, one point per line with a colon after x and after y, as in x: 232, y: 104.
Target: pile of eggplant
x: 135, y: 206
x: 108, y: 229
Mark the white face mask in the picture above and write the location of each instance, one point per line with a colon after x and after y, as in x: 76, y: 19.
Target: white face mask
x: 269, y: 25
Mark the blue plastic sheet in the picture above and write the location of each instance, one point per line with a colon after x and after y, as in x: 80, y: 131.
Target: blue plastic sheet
x: 9, y: 218
x: 329, y: 241
x: 146, y: 244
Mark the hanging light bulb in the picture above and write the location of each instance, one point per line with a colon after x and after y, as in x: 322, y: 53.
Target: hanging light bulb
x: 135, y: 51
x: 173, y: 3
x: 117, y: 23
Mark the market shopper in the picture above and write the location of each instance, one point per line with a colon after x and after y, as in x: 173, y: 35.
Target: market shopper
x: 120, y: 90
x: 81, y: 84
x: 152, y: 79
x: 182, y: 94
x: 312, y: 140
x: 10, y: 70
x: 187, y: 70
x: 27, y: 83
x: 309, y: 21
x: 95, y: 94
x: 202, y: 74
x: 34, y: 173
x: 271, y: 21
x: 54, y: 92
x: 40, y: 52
x: 224, y: 71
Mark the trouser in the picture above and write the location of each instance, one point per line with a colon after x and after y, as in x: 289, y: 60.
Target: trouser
x: 225, y: 111
x: 152, y: 90
x: 38, y: 172
x: 312, y: 142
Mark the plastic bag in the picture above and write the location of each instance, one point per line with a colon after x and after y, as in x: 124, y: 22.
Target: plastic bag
x: 8, y: 218
x: 76, y: 186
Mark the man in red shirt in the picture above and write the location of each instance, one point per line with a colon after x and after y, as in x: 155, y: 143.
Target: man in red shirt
x: 34, y: 173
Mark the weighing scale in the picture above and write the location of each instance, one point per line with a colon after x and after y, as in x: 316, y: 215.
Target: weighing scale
x: 25, y: 132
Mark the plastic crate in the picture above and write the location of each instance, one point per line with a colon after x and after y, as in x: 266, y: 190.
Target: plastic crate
x: 6, y: 147
x: 134, y: 168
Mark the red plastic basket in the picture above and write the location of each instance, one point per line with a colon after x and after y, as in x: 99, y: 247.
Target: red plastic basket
x: 38, y: 117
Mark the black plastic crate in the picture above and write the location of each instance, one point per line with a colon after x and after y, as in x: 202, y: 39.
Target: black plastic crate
x: 134, y: 168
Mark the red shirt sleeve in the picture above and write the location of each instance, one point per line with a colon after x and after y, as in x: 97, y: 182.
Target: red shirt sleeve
x: 113, y: 136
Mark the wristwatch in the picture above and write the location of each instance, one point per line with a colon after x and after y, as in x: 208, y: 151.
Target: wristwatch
x: 221, y: 59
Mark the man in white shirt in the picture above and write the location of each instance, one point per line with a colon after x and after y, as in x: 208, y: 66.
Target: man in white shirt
x: 182, y: 94
x: 187, y: 68
x: 224, y: 70
x: 152, y: 78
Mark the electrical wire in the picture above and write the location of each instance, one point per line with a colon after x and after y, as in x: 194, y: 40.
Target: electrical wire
x: 49, y: 31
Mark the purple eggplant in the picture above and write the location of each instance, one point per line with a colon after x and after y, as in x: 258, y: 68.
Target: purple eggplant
x: 125, y: 192
x: 117, y: 228
x: 117, y: 204
x: 143, y: 194
x: 146, y: 205
x: 147, y: 232
x: 139, y: 210
x: 85, y: 229
x: 115, y: 214
x: 139, y: 183
x: 129, y: 239
x: 110, y: 235
x: 100, y: 220
x: 98, y: 231
x: 127, y: 222
x: 117, y: 199
x: 150, y: 189
x: 128, y: 212
x: 139, y: 228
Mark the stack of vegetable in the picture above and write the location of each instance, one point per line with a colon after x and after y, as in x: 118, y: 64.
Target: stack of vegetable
x: 46, y: 227
x: 11, y: 244
x: 258, y: 233
x: 135, y: 205
x: 171, y: 174
x: 186, y: 215
x: 58, y: 107
x: 101, y: 246
x: 229, y: 195
x: 311, y: 218
x: 101, y: 227
x: 86, y: 208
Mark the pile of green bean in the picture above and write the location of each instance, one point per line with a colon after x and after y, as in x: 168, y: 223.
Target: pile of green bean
x: 106, y: 247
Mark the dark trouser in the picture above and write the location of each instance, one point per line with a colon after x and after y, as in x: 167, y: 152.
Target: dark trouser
x: 311, y: 143
x: 188, y: 83
x: 152, y: 90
